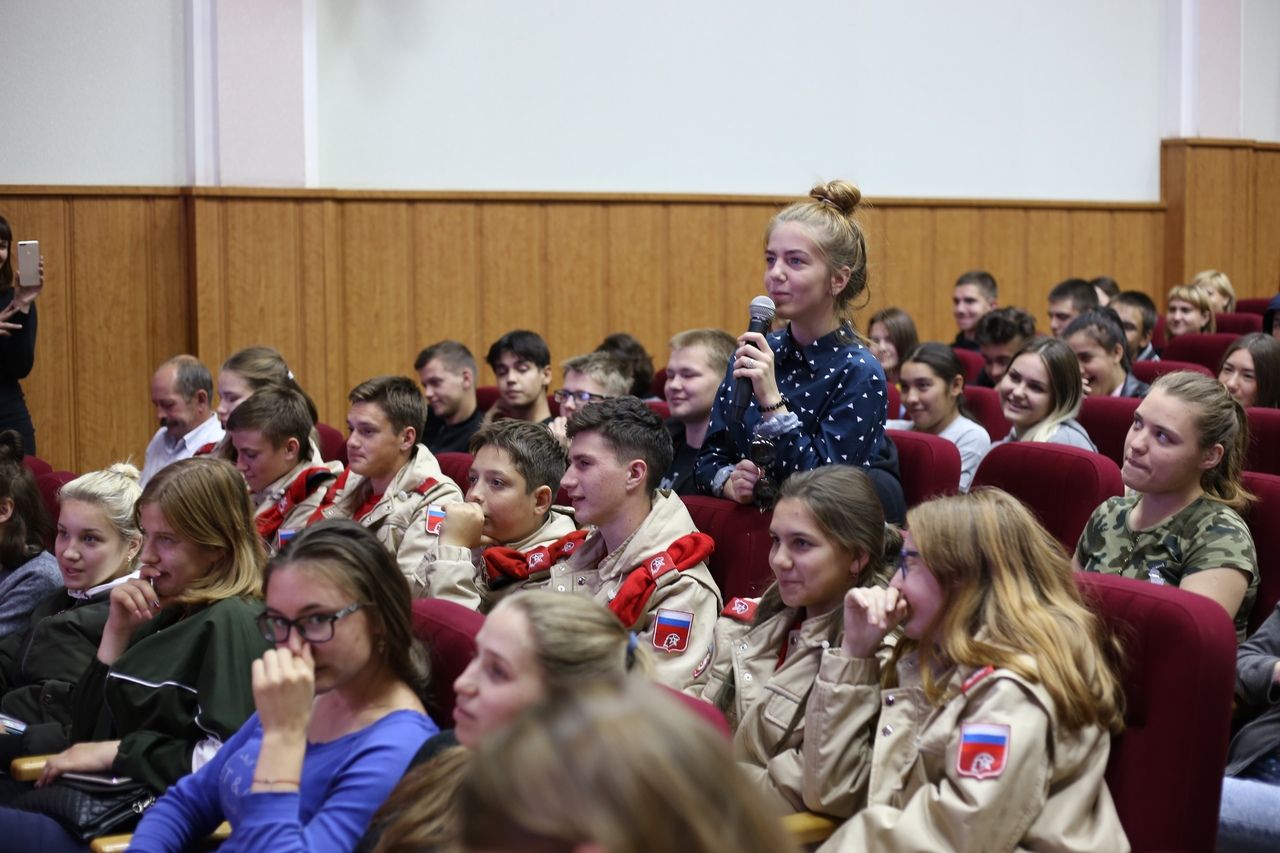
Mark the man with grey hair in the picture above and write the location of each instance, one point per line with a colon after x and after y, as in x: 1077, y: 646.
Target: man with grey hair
x: 182, y: 392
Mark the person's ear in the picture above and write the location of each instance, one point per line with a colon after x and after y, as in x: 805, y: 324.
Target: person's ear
x: 637, y: 474
x: 6, y: 509
x: 856, y: 565
x: 133, y: 548
x: 201, y: 398
x: 543, y: 498
x: 408, y: 438
x: 957, y: 385
x: 546, y: 376
x: 1212, y: 457
x: 468, y: 379
x: 1117, y: 353
x: 292, y: 447
x: 840, y: 280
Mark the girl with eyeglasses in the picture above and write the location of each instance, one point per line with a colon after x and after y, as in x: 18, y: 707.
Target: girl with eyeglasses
x: 990, y: 726
x: 829, y: 536
x: 339, y: 707
x: 170, y: 682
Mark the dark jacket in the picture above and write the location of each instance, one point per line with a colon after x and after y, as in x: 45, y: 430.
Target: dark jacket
x: 1255, y: 662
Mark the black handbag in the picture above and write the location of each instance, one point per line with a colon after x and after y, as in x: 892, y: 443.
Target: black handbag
x: 89, y: 809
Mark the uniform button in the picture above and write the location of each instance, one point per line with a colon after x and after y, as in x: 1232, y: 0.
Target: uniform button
x: 402, y: 495
x: 582, y: 581
x: 743, y: 647
x: 888, y: 700
x: 746, y: 676
x: 826, y: 644
x: 886, y: 731
x: 560, y: 588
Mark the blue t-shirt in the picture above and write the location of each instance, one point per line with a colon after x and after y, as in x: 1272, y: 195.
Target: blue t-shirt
x: 344, y: 782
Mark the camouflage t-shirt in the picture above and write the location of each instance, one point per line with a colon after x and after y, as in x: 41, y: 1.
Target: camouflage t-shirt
x: 1204, y: 535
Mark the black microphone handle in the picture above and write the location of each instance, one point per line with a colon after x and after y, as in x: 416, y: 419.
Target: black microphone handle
x: 742, y: 388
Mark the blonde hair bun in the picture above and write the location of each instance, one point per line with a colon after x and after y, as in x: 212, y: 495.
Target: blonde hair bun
x: 841, y: 195
x: 127, y: 470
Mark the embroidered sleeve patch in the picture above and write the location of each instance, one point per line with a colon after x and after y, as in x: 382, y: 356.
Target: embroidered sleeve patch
x: 740, y: 609
x: 435, y: 518
x: 984, y: 750
x: 671, y: 630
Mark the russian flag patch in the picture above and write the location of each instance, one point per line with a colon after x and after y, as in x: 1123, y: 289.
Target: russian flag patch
x: 984, y: 750
x: 435, y: 518
x: 671, y: 630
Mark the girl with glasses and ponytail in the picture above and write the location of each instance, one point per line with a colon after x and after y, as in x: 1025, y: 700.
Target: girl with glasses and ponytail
x: 339, y: 707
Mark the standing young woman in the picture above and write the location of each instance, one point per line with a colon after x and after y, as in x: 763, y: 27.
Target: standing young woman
x: 819, y: 395
x: 1251, y: 370
x: 1190, y: 311
x: 1041, y: 393
x: 1180, y: 523
x: 97, y: 549
x: 828, y: 536
x: 530, y: 645
x: 991, y: 726
x: 339, y: 707
x: 932, y: 382
x: 28, y: 573
x: 1097, y: 338
x: 171, y: 680
x: 17, y: 339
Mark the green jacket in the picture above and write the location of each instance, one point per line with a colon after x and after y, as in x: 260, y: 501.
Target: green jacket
x: 184, y: 681
x: 39, y: 666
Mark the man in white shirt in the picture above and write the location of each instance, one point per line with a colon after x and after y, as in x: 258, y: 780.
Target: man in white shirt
x: 182, y: 392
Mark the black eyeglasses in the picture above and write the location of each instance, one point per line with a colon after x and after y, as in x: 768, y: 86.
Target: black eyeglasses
x: 563, y: 396
x: 902, y: 560
x: 313, y: 628
x: 764, y: 452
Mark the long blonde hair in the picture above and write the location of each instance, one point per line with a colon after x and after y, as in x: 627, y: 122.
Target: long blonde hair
x: 206, y: 502
x: 1011, y: 602
x: 629, y: 769
x: 1065, y: 384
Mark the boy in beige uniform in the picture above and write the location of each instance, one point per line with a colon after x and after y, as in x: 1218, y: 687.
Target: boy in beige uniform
x: 391, y: 480
x: 271, y: 433
x: 645, y: 559
x: 487, y: 542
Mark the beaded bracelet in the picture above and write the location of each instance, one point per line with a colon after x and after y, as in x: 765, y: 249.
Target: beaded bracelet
x: 782, y: 401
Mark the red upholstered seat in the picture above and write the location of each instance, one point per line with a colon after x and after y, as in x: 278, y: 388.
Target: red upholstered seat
x: 1061, y: 485
x: 456, y: 466
x: 740, y: 561
x: 1264, y: 523
x: 1157, y: 334
x: 36, y: 465
x: 658, y: 385
x: 1149, y: 371
x: 1264, y: 440
x: 984, y: 404
x: 929, y: 465
x: 333, y: 446
x: 1178, y: 672
x: 49, y: 483
x: 1204, y: 350
x: 894, y: 400
x: 971, y: 361
x: 448, y: 631
x: 659, y: 408
x: 486, y: 396
x: 1107, y: 420
x: 1238, y: 324
x: 1253, y: 306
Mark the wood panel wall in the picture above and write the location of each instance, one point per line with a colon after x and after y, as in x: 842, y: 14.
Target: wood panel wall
x: 352, y: 284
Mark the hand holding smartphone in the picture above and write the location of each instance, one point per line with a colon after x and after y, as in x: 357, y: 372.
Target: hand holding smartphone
x: 29, y: 263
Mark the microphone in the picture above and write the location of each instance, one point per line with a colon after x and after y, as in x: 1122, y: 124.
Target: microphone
x: 761, y: 309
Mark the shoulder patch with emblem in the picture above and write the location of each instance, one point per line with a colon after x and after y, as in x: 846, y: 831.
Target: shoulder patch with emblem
x: 671, y: 630
x: 984, y: 750
x: 706, y: 660
x: 740, y: 609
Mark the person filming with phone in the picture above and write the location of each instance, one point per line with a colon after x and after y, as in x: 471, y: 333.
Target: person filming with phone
x: 18, y: 291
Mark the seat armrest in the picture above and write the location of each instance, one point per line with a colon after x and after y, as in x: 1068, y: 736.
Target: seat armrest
x: 27, y: 768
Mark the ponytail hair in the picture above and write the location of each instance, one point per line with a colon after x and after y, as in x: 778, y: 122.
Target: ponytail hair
x: 1220, y: 419
x: 945, y: 364
x: 829, y: 215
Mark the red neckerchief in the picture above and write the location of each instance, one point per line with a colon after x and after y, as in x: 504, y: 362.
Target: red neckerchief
x: 302, y: 486
x: 792, y: 632
x: 504, y: 565
x: 633, y: 595
x: 206, y: 449
x: 366, y: 507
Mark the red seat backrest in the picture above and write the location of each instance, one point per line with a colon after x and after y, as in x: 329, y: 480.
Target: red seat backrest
x: 486, y: 396
x: 1062, y: 485
x: 36, y: 465
x: 333, y: 445
x: 448, y: 631
x: 1264, y: 524
x: 658, y: 385
x: 1202, y: 349
x: 1149, y: 371
x: 457, y: 467
x: 1107, y: 420
x: 1238, y: 324
x: 1264, y: 440
x: 1178, y: 654
x: 659, y: 408
x: 49, y: 483
x: 740, y: 561
x: 894, y: 399
x: 929, y: 465
x: 972, y: 362
x: 984, y: 405
x: 1253, y: 306
x: 1157, y: 334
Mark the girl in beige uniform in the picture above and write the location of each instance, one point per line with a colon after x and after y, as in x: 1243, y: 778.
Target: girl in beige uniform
x: 828, y: 536
x: 990, y: 727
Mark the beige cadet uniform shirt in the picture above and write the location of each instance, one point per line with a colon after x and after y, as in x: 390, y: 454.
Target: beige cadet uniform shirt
x: 684, y: 605
x: 399, y: 519
x: 990, y: 770
x: 457, y: 574
x: 295, y: 514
